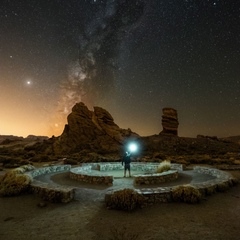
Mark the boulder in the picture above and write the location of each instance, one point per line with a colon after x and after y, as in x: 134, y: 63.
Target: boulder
x: 169, y: 122
x: 92, y: 130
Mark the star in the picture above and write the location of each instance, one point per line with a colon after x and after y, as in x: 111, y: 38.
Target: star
x: 28, y: 82
x: 132, y: 58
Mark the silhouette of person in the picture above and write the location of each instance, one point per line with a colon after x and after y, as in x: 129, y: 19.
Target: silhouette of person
x: 127, y: 161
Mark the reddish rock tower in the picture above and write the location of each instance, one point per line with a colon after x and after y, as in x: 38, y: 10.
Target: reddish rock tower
x: 169, y: 122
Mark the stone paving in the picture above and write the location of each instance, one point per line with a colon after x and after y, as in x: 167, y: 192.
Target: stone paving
x: 58, y: 177
x: 93, y: 192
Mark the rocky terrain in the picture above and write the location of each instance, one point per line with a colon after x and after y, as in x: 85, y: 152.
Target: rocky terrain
x: 93, y: 130
x: 94, y: 136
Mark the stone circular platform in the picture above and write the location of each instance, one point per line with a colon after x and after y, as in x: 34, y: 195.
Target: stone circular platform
x: 99, y: 173
x: 207, y: 180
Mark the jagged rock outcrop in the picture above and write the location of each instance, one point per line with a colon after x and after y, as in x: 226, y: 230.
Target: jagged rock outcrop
x: 36, y: 138
x: 209, y: 137
x: 92, y: 130
x: 169, y: 122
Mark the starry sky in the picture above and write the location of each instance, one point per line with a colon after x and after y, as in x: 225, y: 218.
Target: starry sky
x: 131, y: 57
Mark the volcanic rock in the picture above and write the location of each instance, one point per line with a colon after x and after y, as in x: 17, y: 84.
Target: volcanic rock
x: 92, y: 130
x: 169, y: 122
x: 36, y: 138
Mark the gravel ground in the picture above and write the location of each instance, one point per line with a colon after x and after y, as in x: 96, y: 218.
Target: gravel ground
x: 216, y: 218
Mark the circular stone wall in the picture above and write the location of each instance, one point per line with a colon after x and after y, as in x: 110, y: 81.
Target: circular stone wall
x: 85, y: 174
x: 155, y: 178
x: 221, y: 182
x: 97, y: 173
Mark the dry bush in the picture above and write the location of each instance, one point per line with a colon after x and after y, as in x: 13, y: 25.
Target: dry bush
x: 18, y: 170
x: 123, y: 233
x: 186, y: 194
x: 41, y: 158
x: 125, y: 199
x: 183, y: 162
x: 23, y: 169
x: 29, y: 154
x: 159, y: 155
x: 70, y: 161
x: 12, y: 184
x: 163, y: 167
x: 11, y: 165
x: 12, y: 161
x: 28, y: 167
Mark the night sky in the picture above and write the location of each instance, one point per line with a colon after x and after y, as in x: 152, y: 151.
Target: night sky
x: 131, y: 57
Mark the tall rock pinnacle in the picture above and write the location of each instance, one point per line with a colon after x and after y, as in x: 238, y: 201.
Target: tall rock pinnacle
x: 169, y: 122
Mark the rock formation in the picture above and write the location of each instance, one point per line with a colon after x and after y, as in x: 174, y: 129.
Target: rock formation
x: 169, y: 122
x: 94, y: 130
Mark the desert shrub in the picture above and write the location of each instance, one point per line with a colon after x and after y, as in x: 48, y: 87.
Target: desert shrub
x: 125, y: 199
x: 159, y: 155
x: 40, y: 158
x: 70, y: 161
x: 54, y: 158
x: 163, y: 167
x: 18, y: 170
x: 11, y: 161
x: 23, y: 169
x: 5, y: 159
x: 182, y: 161
x: 29, y: 154
x: 11, y: 165
x: 186, y: 194
x: 12, y: 184
x: 7, y: 141
x: 24, y: 162
x: 123, y: 233
x: 28, y: 167
x: 5, y: 151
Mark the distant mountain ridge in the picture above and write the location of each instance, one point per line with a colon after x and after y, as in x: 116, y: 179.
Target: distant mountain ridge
x: 232, y: 138
x: 95, y: 131
x: 12, y: 138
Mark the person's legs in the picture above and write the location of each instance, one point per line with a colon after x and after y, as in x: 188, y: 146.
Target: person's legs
x: 128, y: 168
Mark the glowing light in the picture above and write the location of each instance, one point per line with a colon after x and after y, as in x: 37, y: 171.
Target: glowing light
x: 132, y: 147
x: 28, y: 82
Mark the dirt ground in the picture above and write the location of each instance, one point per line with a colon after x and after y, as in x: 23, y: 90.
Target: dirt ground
x: 217, y: 217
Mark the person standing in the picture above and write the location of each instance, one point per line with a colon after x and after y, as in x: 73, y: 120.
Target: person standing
x: 127, y: 161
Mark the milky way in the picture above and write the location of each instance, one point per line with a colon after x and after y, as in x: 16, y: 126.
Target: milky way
x: 131, y: 57
x: 91, y: 76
